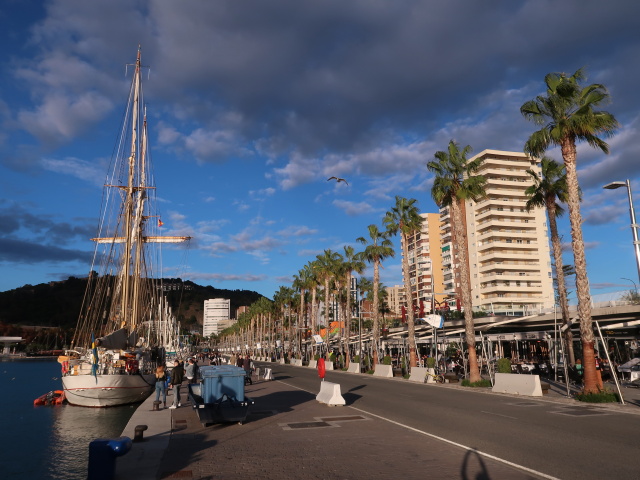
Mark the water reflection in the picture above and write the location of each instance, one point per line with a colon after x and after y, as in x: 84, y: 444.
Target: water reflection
x: 72, y: 431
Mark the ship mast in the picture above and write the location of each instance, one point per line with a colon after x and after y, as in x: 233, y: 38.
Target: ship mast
x: 133, y: 215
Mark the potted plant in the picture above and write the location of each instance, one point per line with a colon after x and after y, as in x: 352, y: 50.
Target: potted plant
x: 504, y: 365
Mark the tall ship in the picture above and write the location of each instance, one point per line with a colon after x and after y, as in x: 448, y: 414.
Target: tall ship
x: 125, y: 323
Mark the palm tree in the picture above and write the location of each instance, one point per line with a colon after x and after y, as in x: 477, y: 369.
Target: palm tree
x: 312, y: 284
x: 547, y: 190
x: 325, y: 268
x: 405, y: 218
x: 282, y: 299
x: 567, y: 114
x: 455, y: 182
x: 376, y: 250
x: 352, y: 263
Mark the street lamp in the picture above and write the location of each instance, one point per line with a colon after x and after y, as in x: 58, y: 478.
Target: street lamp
x: 634, y: 283
x: 634, y: 226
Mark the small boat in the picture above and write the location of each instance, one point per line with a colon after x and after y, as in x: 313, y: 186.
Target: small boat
x: 54, y: 397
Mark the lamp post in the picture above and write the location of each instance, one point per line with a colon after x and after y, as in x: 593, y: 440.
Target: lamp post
x: 634, y: 226
x: 634, y: 283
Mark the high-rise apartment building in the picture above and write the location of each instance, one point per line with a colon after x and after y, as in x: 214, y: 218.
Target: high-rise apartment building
x: 425, y: 264
x: 394, y: 296
x: 509, y: 261
x: 216, y: 316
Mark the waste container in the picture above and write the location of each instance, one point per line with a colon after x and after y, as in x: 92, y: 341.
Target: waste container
x: 220, y: 398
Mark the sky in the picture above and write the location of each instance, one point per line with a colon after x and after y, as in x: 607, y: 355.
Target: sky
x: 254, y: 104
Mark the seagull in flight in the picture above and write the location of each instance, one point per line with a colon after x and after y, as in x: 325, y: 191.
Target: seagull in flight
x: 338, y: 179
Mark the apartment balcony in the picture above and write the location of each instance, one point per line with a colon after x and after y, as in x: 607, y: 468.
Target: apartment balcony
x: 514, y: 298
x: 506, y: 255
x: 511, y: 276
x: 522, y: 233
x: 507, y: 220
x: 510, y: 290
x: 518, y: 266
x: 508, y: 246
x: 503, y: 167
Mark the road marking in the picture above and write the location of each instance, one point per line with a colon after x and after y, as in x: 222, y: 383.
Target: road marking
x: 498, y: 415
x: 450, y: 442
x: 464, y: 447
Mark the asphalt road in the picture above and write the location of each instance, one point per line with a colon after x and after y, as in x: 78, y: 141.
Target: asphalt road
x: 562, y: 439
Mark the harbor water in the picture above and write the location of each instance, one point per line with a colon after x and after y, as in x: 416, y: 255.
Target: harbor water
x: 49, y: 442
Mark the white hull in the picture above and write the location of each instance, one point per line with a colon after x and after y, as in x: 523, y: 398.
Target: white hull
x: 107, y: 390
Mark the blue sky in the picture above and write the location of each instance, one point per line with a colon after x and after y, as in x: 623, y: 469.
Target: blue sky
x: 253, y: 105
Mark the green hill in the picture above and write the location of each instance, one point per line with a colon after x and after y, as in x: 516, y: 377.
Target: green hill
x: 57, y: 304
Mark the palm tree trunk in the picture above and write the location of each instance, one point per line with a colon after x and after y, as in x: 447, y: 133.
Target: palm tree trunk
x: 314, y: 310
x: 582, y: 281
x: 411, y: 322
x: 562, y: 286
x: 327, y: 320
x: 347, y: 319
x: 376, y: 313
x: 460, y: 242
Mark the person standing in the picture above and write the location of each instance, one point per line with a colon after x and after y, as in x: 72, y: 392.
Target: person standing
x: 161, y: 385
x: 190, y: 370
x: 177, y: 376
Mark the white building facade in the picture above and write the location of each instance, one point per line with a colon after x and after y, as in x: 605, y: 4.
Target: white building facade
x: 509, y: 256
x: 217, y: 312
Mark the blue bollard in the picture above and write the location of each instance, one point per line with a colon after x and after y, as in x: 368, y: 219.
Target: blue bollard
x: 102, y: 457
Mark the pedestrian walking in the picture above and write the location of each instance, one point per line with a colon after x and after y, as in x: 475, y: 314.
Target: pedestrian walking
x: 177, y: 376
x: 161, y: 385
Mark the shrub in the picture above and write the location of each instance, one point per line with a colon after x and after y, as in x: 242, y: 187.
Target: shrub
x: 480, y: 383
x: 356, y: 359
x: 406, y: 376
x: 431, y: 362
x: 316, y: 357
x: 370, y: 372
x: 332, y: 357
x: 386, y: 360
x: 604, y: 396
x: 504, y: 365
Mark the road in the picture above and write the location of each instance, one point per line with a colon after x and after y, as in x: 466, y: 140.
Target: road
x: 560, y: 439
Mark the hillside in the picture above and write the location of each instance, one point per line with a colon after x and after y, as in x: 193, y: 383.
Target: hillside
x: 57, y: 304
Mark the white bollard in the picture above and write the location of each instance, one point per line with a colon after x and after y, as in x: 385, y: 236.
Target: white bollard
x: 330, y: 394
x: 267, y: 374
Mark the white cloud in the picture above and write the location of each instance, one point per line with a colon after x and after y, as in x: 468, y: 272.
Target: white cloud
x: 355, y: 208
x: 88, y: 171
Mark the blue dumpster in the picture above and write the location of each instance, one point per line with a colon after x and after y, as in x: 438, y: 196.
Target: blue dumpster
x: 221, y: 380
x: 220, y: 398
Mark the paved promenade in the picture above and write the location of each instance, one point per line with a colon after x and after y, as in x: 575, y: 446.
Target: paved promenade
x: 288, y: 434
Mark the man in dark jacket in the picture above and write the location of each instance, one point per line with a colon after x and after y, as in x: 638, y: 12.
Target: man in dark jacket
x: 177, y: 376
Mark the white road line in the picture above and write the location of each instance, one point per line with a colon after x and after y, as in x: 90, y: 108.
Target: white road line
x: 464, y: 447
x: 498, y: 415
x: 459, y: 445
